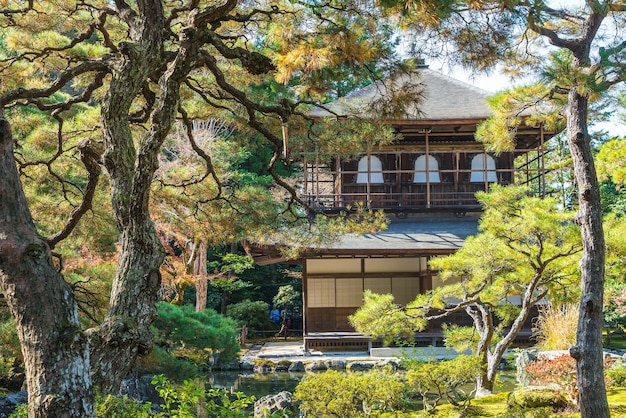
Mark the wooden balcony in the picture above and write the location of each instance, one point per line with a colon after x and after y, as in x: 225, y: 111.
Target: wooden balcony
x: 341, y: 185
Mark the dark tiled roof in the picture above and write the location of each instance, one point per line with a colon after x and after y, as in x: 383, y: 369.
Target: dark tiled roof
x: 444, y: 98
x: 444, y: 232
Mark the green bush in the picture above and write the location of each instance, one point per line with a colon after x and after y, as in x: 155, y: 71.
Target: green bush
x: 208, y: 331
x: 441, y: 380
x: 160, y: 361
x: 254, y: 315
x: 616, y: 374
x: 122, y: 407
x: 10, y: 347
x: 187, y: 399
x: 184, y: 400
x: 354, y: 395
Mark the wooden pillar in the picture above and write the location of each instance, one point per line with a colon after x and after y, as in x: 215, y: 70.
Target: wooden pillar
x: 304, y: 306
x: 427, y: 170
x: 306, y: 179
x: 369, y: 179
x: 338, y: 184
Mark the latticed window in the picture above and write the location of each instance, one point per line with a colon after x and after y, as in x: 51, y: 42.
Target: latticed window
x: 424, y: 166
x: 370, y: 170
x: 483, y: 164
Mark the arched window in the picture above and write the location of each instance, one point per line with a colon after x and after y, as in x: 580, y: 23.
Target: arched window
x: 375, y: 172
x: 481, y: 164
x: 420, y: 170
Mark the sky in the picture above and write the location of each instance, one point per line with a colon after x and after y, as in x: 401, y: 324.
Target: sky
x: 496, y: 82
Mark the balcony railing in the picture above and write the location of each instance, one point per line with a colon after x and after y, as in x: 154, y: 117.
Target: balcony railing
x: 336, y: 186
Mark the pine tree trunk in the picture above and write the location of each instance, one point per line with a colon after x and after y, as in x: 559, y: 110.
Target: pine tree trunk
x: 125, y: 332
x: 202, y: 280
x: 484, y: 385
x: 55, y: 350
x: 588, y: 349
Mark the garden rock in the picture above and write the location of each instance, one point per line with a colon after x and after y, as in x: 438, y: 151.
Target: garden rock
x: 296, y: 367
x: 273, y: 405
x: 246, y: 365
x: 393, y: 364
x: 316, y: 366
x: 336, y: 364
x: 263, y: 368
x: 9, y: 403
x: 523, y: 359
x: 230, y: 366
x: 140, y: 388
x: 282, y: 366
x: 361, y: 366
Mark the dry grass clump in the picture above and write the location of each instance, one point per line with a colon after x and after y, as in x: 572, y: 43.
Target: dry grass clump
x: 555, y: 326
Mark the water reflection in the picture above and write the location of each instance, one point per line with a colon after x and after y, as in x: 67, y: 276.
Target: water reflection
x: 258, y: 385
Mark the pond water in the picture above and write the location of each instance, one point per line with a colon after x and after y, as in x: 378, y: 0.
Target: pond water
x: 258, y: 385
x: 261, y: 385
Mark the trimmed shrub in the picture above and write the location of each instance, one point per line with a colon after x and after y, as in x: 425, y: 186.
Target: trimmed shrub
x: 254, y: 315
x: 441, y: 380
x: 560, y: 372
x: 207, y: 331
x: 354, y: 395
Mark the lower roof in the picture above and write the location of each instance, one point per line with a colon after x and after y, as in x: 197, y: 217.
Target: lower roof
x: 416, y: 234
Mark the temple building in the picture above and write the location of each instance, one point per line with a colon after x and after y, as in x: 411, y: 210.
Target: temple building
x: 426, y: 182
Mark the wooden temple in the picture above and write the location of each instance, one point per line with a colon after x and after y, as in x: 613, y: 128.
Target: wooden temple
x: 426, y: 181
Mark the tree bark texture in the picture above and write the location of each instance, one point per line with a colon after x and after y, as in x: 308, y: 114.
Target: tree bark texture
x: 483, y: 321
x: 55, y: 350
x: 202, y: 279
x: 588, y: 349
x: 125, y: 332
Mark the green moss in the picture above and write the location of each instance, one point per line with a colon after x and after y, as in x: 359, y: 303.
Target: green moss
x: 617, y: 402
x: 537, y: 398
x: 264, y: 362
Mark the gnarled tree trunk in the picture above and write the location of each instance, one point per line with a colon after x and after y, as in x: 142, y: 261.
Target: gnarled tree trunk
x: 125, y: 332
x: 588, y: 349
x: 55, y: 349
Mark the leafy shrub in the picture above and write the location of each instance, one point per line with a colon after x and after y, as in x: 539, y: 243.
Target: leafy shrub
x: 561, y: 372
x: 187, y: 399
x: 616, y: 374
x: 555, y: 326
x: 9, y: 341
x: 354, y: 395
x: 122, y: 407
x: 254, y: 315
x: 108, y: 407
x: 441, y: 380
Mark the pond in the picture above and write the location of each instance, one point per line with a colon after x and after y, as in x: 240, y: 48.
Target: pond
x: 258, y: 385
x: 261, y: 385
